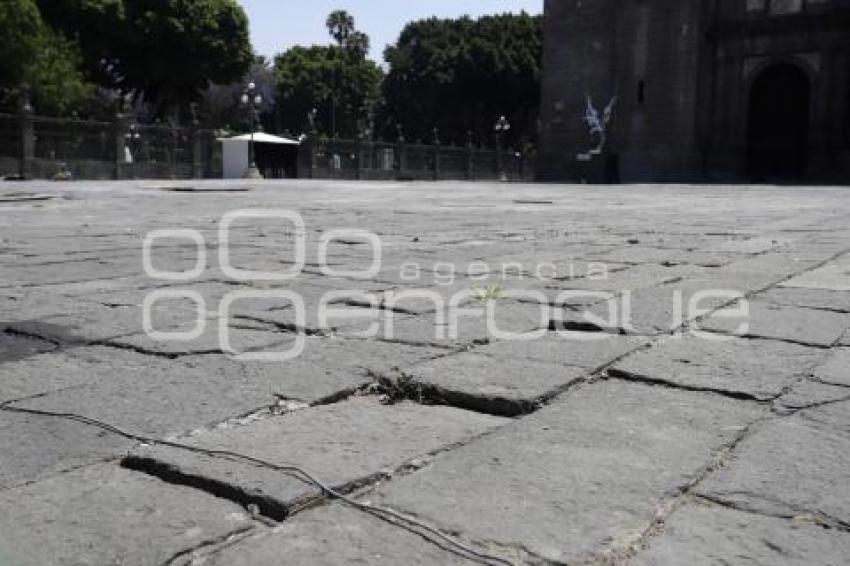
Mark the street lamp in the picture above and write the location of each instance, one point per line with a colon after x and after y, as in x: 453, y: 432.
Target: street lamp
x: 252, y: 99
x: 502, y: 127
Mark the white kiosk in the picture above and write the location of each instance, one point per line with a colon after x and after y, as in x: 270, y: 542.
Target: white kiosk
x: 235, y: 151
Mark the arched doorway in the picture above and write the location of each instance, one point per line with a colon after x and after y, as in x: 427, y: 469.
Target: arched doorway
x: 778, y: 124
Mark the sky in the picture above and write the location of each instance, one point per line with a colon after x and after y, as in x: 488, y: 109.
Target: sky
x: 279, y: 24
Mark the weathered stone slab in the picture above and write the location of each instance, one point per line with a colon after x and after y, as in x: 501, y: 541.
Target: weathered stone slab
x: 156, y: 396
x: 670, y: 256
x: 808, y: 298
x: 341, y: 444
x: 587, y: 350
x: 836, y: 370
x: 788, y: 467
x: 811, y: 394
x: 494, y: 385
x: 44, y: 373
x: 631, y: 279
x: 833, y: 277
x: 793, y: 324
x: 94, y: 322
x: 458, y: 328
x: 15, y: 347
x: 760, y: 369
x: 107, y: 515
x: 703, y: 535
x: 247, y: 337
x: 648, y: 312
x: 33, y: 447
x: 582, y: 476
x: 335, y: 534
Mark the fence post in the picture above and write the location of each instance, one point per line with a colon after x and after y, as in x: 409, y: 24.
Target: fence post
x: 358, y: 150
x: 27, y: 138
x: 436, y: 154
x: 470, y: 157
x: 401, y: 157
x: 119, y: 132
x: 197, y: 163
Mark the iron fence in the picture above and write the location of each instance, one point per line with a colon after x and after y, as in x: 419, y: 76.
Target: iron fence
x: 36, y: 146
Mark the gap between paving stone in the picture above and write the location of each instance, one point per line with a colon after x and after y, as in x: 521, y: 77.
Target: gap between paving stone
x: 657, y: 527
x: 733, y: 444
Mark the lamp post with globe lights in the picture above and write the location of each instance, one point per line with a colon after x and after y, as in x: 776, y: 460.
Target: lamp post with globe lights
x: 252, y: 99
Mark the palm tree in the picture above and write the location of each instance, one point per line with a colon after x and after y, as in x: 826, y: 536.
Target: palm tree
x: 340, y: 25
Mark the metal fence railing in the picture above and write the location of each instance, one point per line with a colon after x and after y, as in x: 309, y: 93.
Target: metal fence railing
x: 36, y: 146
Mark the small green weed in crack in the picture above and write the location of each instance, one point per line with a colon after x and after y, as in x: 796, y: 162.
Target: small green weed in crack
x: 485, y: 295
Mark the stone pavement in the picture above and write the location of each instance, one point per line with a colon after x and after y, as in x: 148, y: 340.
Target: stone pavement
x: 665, y: 379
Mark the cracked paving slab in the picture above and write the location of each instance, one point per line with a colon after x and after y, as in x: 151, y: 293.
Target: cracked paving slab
x: 344, y: 445
x: 834, y: 276
x: 702, y: 534
x: 838, y: 301
x: 586, y: 350
x: 792, y: 324
x: 836, y: 370
x: 157, y: 396
x: 332, y: 535
x: 34, y: 447
x: 757, y: 369
x: 501, y: 386
x: 798, y: 465
x: 104, y: 514
x: 583, y: 476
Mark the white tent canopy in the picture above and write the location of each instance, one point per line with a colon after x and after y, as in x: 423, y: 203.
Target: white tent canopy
x: 262, y: 137
x: 235, y: 151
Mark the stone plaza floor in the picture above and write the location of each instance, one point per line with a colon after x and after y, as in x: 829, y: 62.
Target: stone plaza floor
x: 309, y: 372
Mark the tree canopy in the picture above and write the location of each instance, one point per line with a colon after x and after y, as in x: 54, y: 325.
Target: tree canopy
x: 37, y: 59
x: 163, y: 51
x: 338, y: 81
x: 460, y: 75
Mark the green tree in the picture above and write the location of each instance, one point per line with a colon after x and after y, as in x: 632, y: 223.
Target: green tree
x: 39, y: 60
x: 22, y: 27
x: 339, y: 82
x: 340, y: 25
x: 339, y: 87
x: 166, y: 52
x: 460, y: 75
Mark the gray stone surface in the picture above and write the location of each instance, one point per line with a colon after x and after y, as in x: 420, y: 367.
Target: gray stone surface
x: 793, y: 324
x: 809, y: 298
x: 482, y: 382
x: 15, y: 347
x: 703, y: 535
x: 809, y: 394
x: 35, y: 447
x: 832, y: 277
x: 760, y: 369
x: 335, y: 535
x: 106, y: 515
x: 341, y: 444
x: 583, y: 476
x: 789, y: 467
x: 587, y: 350
x: 836, y: 370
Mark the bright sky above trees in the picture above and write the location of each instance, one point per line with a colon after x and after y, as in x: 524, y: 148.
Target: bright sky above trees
x: 279, y: 24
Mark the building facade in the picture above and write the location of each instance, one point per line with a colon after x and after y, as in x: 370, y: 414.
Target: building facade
x: 698, y: 91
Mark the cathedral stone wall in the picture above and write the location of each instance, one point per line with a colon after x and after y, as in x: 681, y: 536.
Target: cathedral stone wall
x: 682, y: 73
